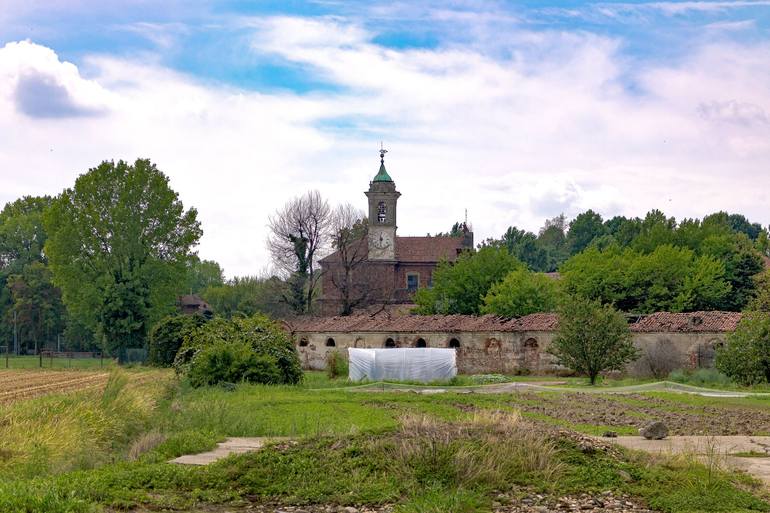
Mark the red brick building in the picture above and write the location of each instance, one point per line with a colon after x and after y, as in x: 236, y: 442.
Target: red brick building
x: 382, y: 267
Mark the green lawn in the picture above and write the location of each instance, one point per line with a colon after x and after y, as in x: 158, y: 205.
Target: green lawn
x: 35, y: 362
x: 425, y: 453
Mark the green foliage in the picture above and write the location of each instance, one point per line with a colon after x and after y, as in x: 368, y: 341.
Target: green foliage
x: 700, y: 378
x: 248, y: 295
x: 40, y: 313
x: 262, y: 335
x: 202, y: 274
x: 232, y: 362
x: 761, y: 300
x: 336, y: 365
x: 119, y: 243
x: 459, y: 288
x: 522, y: 292
x: 667, y: 279
x: 583, y: 230
x: 592, y: 338
x: 168, y: 335
x: 745, y: 358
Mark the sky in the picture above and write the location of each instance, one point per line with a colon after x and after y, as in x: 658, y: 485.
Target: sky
x: 514, y: 111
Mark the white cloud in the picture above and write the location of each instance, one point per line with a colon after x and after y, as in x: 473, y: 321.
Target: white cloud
x: 550, y: 127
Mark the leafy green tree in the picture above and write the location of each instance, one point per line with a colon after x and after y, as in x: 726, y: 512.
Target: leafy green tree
x: 552, y: 238
x: 592, y: 338
x: 522, y: 292
x: 119, y: 243
x: 655, y: 230
x: 745, y: 358
x: 459, y: 288
x: 740, y: 224
x: 583, y: 230
x: 37, y: 304
x: 202, y: 274
x: 247, y: 295
x: 761, y: 300
x: 623, y: 230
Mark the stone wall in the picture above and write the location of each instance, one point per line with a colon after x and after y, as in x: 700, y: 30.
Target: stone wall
x: 521, y: 352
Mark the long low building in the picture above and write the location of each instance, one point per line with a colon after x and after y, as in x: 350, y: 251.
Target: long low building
x: 490, y: 344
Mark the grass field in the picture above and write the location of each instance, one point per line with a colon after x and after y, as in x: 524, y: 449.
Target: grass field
x: 35, y: 362
x: 107, y: 448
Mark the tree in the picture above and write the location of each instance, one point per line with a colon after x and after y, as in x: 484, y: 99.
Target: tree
x: 761, y: 300
x: 741, y: 261
x: 298, y: 234
x: 245, y: 296
x: 592, y: 338
x: 459, y: 288
x: 745, y: 358
x: 522, y: 292
x: 168, y: 335
x: 202, y: 274
x: 36, y: 304
x: 583, y: 230
x: 348, y: 228
x: 119, y: 243
x: 552, y: 238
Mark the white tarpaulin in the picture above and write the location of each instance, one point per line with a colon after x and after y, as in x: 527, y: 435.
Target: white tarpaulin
x: 414, y: 364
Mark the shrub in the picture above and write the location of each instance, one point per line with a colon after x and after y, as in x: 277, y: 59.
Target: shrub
x: 592, y: 338
x: 336, y: 365
x: 259, y: 333
x: 168, y: 335
x: 232, y: 362
x: 745, y: 358
x: 700, y: 377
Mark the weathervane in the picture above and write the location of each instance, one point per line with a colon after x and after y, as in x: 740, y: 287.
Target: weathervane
x: 383, y: 151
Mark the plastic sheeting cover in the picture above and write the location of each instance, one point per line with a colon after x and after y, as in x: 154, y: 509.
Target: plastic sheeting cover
x: 418, y: 364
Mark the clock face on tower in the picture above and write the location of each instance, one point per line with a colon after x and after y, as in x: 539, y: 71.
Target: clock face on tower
x: 383, y: 241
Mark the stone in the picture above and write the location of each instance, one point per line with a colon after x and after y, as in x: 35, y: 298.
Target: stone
x: 654, y: 431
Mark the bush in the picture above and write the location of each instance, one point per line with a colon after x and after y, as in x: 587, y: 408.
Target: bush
x: 700, y: 377
x: 168, y: 335
x: 746, y: 356
x: 232, y: 362
x: 336, y: 365
x: 259, y: 333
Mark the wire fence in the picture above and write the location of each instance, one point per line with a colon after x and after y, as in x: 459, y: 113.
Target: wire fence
x: 56, y: 360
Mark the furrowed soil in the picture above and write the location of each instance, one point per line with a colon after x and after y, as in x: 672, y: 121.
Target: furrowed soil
x: 17, y: 385
x: 636, y: 410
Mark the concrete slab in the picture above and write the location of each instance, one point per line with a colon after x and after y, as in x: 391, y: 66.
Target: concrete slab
x: 235, y: 445
x: 723, y: 447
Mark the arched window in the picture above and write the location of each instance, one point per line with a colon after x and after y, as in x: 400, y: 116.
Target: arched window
x: 530, y: 344
x: 390, y: 343
x: 382, y: 212
x: 454, y: 343
x: 330, y: 342
x: 303, y: 342
x: 420, y: 343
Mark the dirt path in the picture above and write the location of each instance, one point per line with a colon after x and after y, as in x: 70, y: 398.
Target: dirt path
x: 234, y: 445
x: 719, y: 449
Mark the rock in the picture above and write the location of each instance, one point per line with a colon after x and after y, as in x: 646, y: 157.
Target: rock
x: 610, y: 434
x: 654, y: 431
x: 349, y: 509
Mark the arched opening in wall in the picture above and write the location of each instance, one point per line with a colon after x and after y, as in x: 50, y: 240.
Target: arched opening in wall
x: 420, y: 343
x: 531, y: 354
x: 707, y: 352
x: 330, y: 342
x: 359, y: 342
x: 454, y: 344
x: 382, y: 212
x: 390, y: 343
x: 303, y: 342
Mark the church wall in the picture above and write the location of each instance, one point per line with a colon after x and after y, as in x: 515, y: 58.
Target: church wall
x: 510, y: 352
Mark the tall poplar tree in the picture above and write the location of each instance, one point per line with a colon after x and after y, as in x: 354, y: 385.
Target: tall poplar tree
x: 119, y: 243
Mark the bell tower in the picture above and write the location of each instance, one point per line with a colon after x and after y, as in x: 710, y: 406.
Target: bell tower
x: 382, y: 196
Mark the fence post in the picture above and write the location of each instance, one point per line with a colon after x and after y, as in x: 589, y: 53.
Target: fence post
x: 40, y: 355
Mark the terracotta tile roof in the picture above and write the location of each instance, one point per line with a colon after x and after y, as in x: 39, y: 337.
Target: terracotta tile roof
x: 427, y: 249
x: 667, y: 322
x: 662, y: 322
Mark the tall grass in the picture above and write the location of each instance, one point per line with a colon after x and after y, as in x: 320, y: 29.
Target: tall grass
x: 56, y: 433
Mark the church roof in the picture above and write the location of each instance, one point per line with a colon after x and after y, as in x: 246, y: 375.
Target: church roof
x: 411, y: 249
x: 428, y: 249
x: 382, y: 175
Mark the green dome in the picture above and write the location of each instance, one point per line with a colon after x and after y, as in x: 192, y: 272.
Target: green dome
x: 382, y: 175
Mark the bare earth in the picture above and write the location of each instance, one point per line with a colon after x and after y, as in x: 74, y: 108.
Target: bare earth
x: 723, y: 448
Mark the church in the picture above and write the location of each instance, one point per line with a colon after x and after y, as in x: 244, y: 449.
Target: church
x: 383, y: 268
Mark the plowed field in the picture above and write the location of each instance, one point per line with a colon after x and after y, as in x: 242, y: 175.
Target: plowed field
x: 16, y: 385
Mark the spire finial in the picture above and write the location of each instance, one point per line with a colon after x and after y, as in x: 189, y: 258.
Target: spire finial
x: 383, y: 151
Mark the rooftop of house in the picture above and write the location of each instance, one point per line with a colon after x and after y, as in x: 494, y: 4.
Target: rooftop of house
x: 661, y: 322
x: 414, y: 249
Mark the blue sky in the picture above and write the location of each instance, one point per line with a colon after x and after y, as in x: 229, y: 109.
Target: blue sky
x: 517, y: 111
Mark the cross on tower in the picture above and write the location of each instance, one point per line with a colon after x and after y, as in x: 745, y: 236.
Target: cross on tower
x: 383, y: 151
